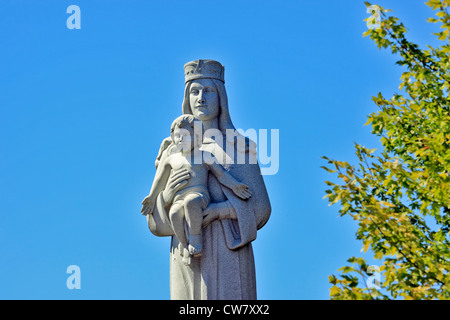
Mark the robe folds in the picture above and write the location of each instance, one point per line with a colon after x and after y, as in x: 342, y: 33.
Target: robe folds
x: 226, y: 268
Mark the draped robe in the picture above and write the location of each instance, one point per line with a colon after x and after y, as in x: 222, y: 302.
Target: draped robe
x: 226, y: 268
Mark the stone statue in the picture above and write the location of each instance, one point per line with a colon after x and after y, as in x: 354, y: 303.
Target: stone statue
x: 190, y: 200
x: 208, y: 194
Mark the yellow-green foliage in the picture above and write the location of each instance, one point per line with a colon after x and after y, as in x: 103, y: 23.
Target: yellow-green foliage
x: 400, y: 196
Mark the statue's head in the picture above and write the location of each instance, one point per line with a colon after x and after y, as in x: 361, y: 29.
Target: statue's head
x: 183, y: 131
x: 204, y: 99
x: 205, y: 96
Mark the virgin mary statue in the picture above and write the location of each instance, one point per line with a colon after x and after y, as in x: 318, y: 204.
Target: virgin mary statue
x: 226, y: 268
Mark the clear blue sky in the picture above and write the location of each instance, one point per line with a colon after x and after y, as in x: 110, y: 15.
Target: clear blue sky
x: 82, y: 114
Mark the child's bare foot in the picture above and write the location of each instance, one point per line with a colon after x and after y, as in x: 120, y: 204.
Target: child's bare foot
x: 195, y: 245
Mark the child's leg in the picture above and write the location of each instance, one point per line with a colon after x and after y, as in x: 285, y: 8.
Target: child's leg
x: 176, y: 215
x: 194, y: 204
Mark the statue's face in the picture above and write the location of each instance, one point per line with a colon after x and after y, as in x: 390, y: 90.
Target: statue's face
x: 183, y: 138
x: 204, y: 99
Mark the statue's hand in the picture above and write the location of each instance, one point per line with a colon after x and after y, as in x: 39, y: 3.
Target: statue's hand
x: 241, y: 190
x: 209, y: 215
x: 177, y: 180
x: 148, y: 204
x: 219, y: 210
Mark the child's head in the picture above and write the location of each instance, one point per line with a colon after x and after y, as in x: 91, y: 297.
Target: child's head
x: 182, y: 132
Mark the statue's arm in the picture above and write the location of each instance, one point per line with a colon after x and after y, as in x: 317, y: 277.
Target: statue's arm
x: 225, y: 178
x: 218, y: 210
x: 158, y: 221
x: 252, y: 177
x: 260, y: 199
x: 162, y: 153
x: 159, y: 183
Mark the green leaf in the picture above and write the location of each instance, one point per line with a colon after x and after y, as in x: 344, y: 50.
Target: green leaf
x: 399, y: 195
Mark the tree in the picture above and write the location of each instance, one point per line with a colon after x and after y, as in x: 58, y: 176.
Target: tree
x: 400, y: 196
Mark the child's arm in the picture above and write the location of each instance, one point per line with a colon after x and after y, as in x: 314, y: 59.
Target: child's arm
x: 240, y: 189
x: 159, y: 183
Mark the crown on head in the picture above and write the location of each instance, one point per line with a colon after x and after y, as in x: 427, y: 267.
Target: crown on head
x: 204, y: 69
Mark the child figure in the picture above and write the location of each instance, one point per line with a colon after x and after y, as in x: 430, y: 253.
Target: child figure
x: 190, y: 201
